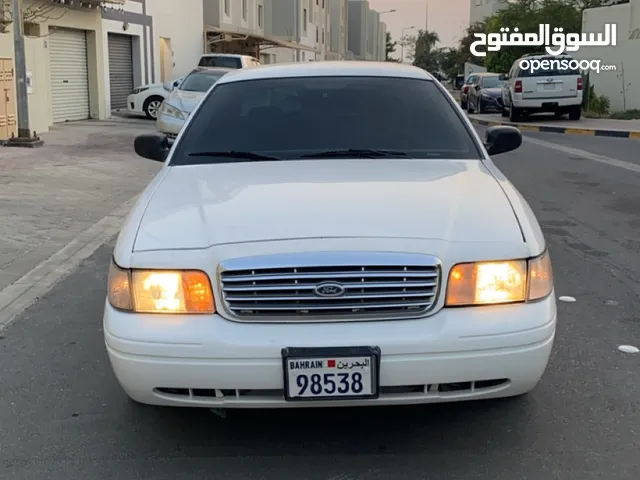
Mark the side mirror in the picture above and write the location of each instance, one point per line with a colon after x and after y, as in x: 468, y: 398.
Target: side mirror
x: 502, y: 139
x: 153, y: 146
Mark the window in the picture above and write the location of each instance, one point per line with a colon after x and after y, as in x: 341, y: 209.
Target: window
x: 260, y: 15
x: 200, y: 81
x: 323, y: 35
x: 492, y: 82
x: 304, y: 20
x: 281, y: 117
x: 220, y: 61
x: 317, y: 35
x: 227, y: 7
x: 244, y: 10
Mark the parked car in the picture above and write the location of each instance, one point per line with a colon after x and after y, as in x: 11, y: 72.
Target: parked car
x: 485, y: 93
x: 227, y: 60
x: 553, y: 90
x: 146, y: 99
x: 183, y: 98
x: 272, y: 265
x: 458, y: 82
x: 464, y: 92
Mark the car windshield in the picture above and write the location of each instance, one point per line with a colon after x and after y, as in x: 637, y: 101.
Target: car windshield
x: 471, y: 79
x: 220, y: 61
x: 200, y: 81
x: 492, y: 82
x: 303, y: 117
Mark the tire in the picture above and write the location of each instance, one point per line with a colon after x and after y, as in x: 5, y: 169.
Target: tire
x: 479, y: 106
x: 504, y: 112
x: 514, y: 113
x: 470, y: 107
x: 575, y: 113
x: 151, y: 106
x: 463, y: 105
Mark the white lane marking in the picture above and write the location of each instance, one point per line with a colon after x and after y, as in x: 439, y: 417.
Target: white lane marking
x: 628, y: 349
x: 612, y: 162
x: 567, y: 299
x: 18, y: 296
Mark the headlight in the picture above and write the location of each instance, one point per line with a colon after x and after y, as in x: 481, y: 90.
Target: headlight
x: 166, y: 109
x: 486, y: 97
x: 160, y: 291
x: 139, y: 90
x: 491, y: 283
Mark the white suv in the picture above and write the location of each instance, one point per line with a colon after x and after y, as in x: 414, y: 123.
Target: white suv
x: 557, y: 90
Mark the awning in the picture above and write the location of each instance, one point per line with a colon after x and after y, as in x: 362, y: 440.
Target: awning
x: 216, y: 35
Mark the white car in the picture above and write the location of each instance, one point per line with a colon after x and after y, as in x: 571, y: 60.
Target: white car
x: 548, y: 89
x: 146, y: 99
x: 184, y: 98
x: 380, y: 260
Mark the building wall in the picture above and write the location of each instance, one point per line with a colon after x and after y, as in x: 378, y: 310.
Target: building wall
x: 624, y: 55
x: 382, y: 48
x: 357, y: 36
x: 373, y: 40
x: 37, y: 62
x: 338, y: 20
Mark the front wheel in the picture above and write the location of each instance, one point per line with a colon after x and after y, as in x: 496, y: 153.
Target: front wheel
x: 479, y: 106
x: 151, y: 106
x: 514, y: 113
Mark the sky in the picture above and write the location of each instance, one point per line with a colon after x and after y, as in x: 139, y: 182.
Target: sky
x: 447, y: 18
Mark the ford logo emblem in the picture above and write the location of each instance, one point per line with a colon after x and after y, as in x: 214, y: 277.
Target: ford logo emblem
x: 329, y: 289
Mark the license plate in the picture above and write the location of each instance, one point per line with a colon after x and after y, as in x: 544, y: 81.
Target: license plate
x: 334, y: 373
x: 549, y: 86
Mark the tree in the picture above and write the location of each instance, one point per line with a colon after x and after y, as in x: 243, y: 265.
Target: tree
x: 37, y: 12
x: 527, y: 15
x: 426, y: 55
x: 390, y: 48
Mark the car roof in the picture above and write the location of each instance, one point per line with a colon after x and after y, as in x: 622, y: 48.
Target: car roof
x: 327, y: 69
x: 212, y: 69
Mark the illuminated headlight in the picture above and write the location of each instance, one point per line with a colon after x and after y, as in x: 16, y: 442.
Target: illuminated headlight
x: 160, y: 291
x: 171, y: 111
x: 491, y: 283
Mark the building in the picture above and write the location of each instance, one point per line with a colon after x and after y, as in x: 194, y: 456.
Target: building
x: 382, y: 41
x: 357, y: 35
x: 373, y: 35
x: 619, y: 85
x: 148, y: 41
x: 481, y: 9
x: 64, y: 50
x: 338, y: 23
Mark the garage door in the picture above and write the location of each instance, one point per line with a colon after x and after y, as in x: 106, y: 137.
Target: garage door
x: 120, y: 69
x: 69, y: 75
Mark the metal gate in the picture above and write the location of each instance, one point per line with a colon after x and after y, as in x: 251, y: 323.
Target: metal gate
x: 69, y: 74
x: 120, y: 69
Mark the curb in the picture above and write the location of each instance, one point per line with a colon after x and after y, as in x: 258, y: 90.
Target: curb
x: 561, y: 130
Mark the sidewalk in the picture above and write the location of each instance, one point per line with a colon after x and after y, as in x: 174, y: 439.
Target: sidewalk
x: 584, y: 126
x: 48, y: 196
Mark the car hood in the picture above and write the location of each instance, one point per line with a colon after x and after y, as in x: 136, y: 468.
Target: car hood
x: 492, y: 92
x: 184, y: 100
x: 205, y: 205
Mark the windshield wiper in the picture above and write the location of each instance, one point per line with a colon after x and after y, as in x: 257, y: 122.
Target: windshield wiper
x: 356, y: 153
x: 250, y: 156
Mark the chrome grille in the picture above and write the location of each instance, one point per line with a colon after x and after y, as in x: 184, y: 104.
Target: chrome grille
x: 369, y: 286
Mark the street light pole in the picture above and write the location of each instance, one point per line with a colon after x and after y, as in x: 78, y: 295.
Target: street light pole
x: 24, y: 138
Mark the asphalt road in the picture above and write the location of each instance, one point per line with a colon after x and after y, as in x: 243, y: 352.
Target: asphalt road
x: 62, y: 415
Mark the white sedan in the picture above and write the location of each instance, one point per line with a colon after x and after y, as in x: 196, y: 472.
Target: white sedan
x: 329, y: 234
x: 146, y: 99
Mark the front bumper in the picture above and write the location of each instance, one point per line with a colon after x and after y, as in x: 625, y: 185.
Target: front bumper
x: 207, y: 361
x: 491, y: 104
x: 168, y: 125
x: 132, y: 107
